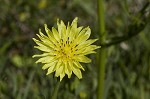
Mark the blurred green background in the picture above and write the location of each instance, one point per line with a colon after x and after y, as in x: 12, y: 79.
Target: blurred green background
x: 128, y: 63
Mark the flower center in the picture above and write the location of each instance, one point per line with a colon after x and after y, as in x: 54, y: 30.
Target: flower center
x: 66, y: 50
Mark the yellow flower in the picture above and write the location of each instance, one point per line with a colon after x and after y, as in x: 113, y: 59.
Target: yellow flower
x: 65, y: 48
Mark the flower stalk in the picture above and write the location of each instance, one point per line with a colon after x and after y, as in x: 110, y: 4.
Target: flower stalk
x: 102, y: 53
x: 54, y: 94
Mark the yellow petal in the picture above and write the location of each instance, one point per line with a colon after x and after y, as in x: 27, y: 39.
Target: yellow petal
x: 61, y: 29
x: 62, y: 76
x: 41, y: 55
x: 59, y: 71
x: 88, y: 52
x: 74, y: 22
x: 50, y: 34
x: 77, y: 72
x: 48, y: 31
x: 79, y: 51
x: 73, y: 31
x: 50, y: 69
x: 83, y: 59
x: 68, y: 70
x: 79, y: 29
x: 67, y: 31
x: 42, y: 46
x: 47, y: 41
x: 69, y: 74
x: 46, y: 59
x: 59, y: 63
x: 47, y: 65
x: 90, y: 48
x: 41, y: 33
x: 45, y: 49
x: 38, y: 42
x: 83, y: 35
x: 55, y: 33
x: 77, y: 64
x: 86, y: 43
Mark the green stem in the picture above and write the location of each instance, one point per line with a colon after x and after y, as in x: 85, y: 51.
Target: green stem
x: 54, y: 94
x: 133, y: 29
x: 102, y: 53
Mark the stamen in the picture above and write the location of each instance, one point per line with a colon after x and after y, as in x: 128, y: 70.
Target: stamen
x: 54, y: 44
x: 76, y: 49
x: 76, y: 45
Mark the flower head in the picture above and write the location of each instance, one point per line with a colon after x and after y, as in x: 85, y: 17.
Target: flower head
x: 64, y: 49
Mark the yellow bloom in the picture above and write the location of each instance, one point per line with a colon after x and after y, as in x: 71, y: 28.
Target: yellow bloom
x: 65, y: 48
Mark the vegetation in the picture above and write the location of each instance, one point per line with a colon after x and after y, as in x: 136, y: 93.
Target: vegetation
x: 127, y: 66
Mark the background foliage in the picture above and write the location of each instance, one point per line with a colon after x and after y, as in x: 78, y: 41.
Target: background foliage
x: 128, y: 63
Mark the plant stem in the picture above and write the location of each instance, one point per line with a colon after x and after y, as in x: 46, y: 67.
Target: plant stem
x: 54, y: 94
x: 133, y: 29
x: 102, y: 53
